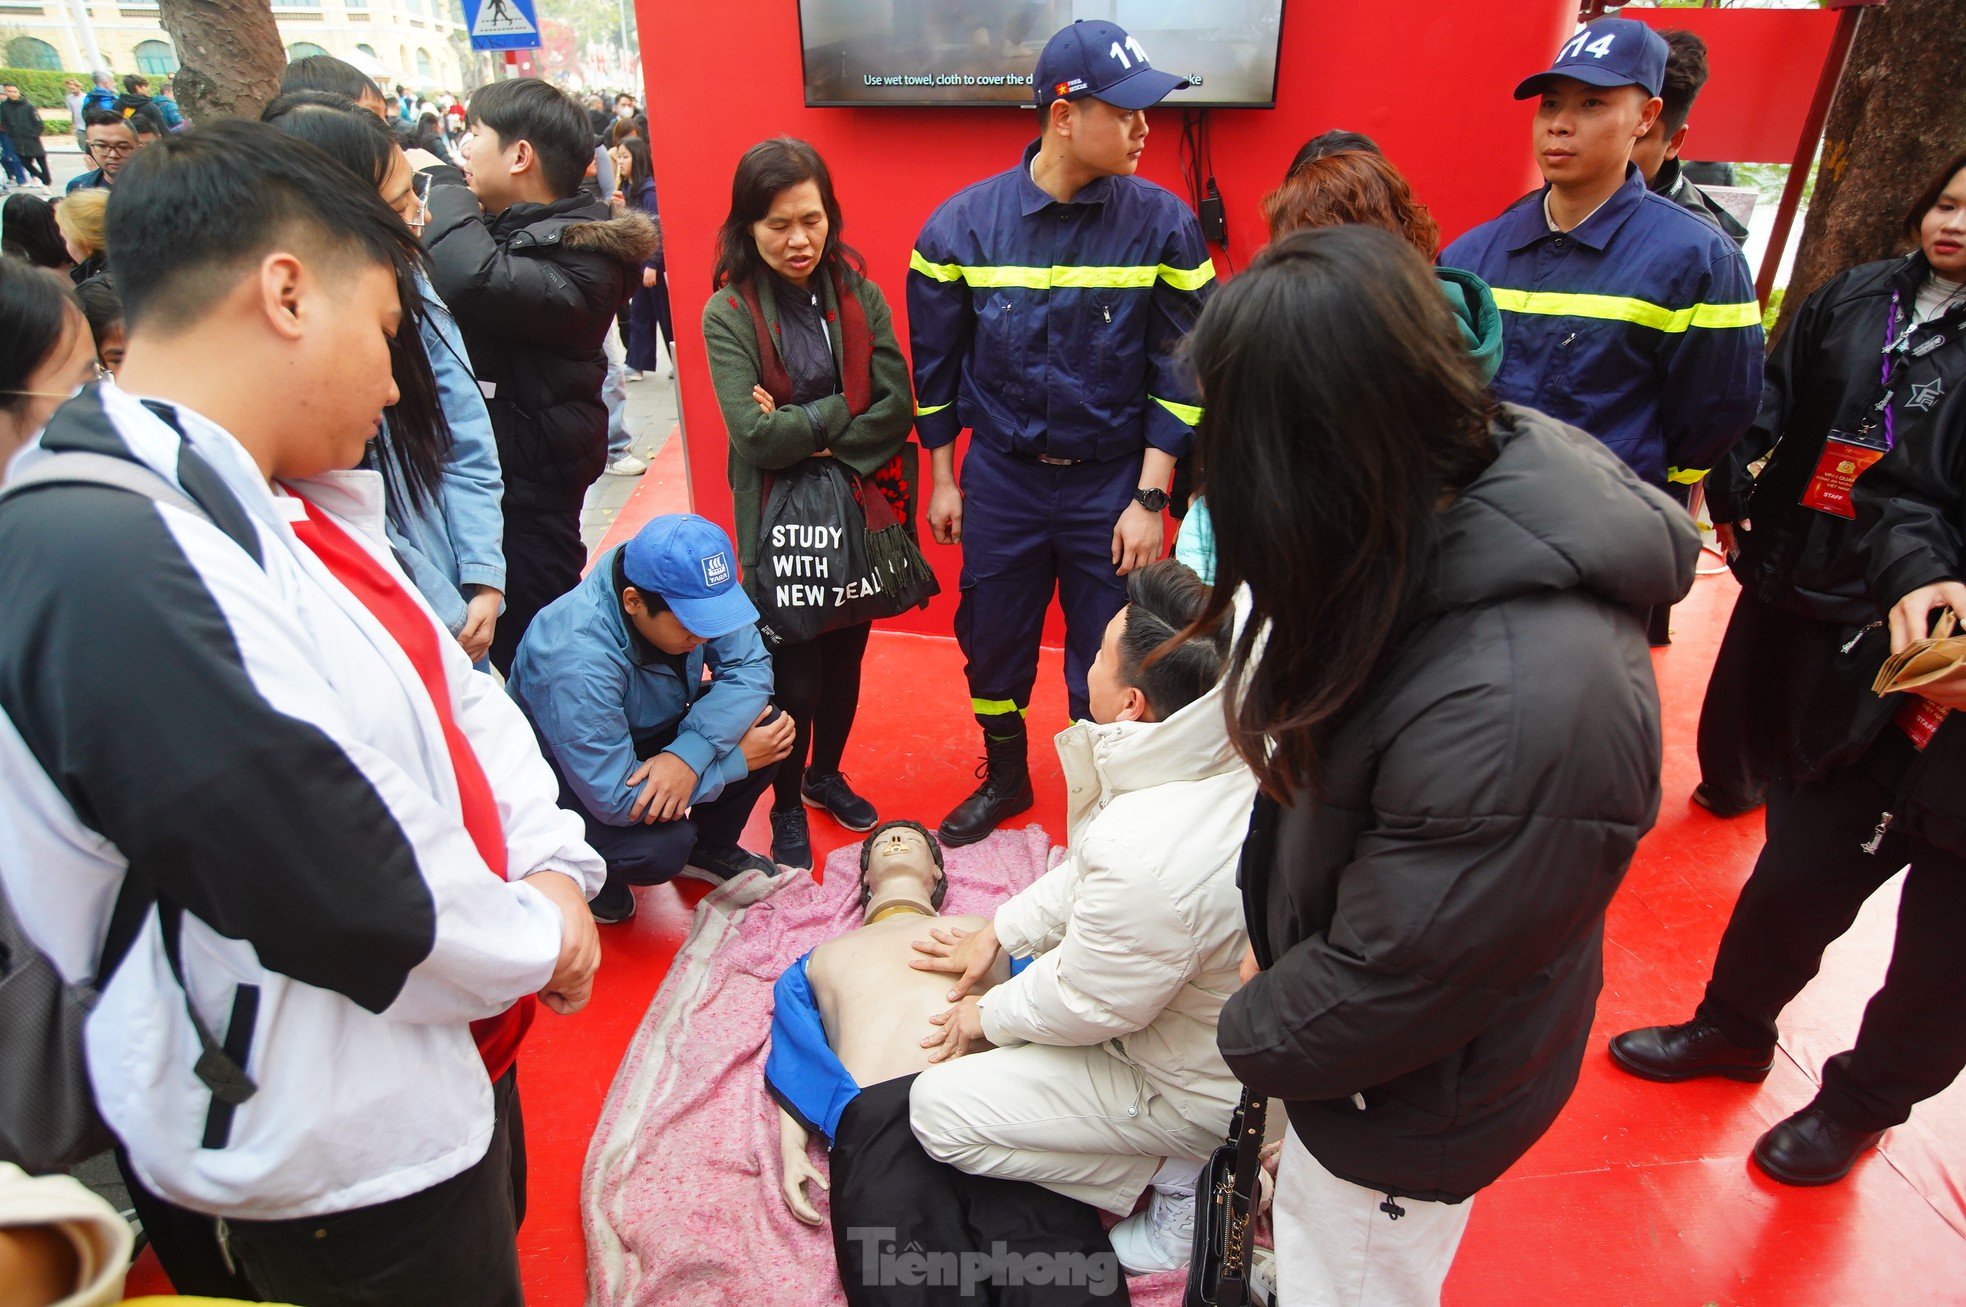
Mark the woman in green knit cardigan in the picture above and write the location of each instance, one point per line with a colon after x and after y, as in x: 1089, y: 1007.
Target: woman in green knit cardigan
x: 805, y: 364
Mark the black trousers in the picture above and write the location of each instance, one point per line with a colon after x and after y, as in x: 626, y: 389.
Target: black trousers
x: 37, y: 164
x: 653, y: 854
x: 543, y: 558
x: 1768, y: 661
x: 455, y: 1242
x: 818, y: 682
x: 890, y: 1199
x: 1813, y: 876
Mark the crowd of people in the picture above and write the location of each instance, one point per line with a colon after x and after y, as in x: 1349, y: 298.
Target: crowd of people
x: 1353, y: 777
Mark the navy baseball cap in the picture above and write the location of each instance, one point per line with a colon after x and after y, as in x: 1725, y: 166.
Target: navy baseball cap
x: 687, y: 560
x: 1097, y: 58
x: 1610, y: 52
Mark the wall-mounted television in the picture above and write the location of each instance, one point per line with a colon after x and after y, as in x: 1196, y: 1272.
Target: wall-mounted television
x: 983, y: 52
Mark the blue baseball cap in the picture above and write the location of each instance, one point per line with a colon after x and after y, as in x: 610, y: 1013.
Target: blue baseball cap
x: 1610, y: 52
x: 1097, y: 58
x: 687, y: 560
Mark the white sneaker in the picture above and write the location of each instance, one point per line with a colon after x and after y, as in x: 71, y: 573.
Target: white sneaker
x: 633, y: 375
x: 627, y: 466
x: 1161, y: 1238
x: 1262, y: 1277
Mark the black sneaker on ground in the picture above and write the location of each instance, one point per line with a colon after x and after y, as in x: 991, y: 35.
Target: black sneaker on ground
x: 720, y: 865
x: 837, y: 797
x: 614, y: 904
x: 791, y: 842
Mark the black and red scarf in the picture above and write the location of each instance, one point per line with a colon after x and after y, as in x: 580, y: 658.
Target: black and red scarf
x: 856, y: 384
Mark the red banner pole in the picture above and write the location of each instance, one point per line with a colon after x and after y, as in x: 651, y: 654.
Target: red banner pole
x: 1805, y: 148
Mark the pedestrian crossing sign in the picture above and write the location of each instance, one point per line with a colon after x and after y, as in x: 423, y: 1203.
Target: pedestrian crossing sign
x: 502, y: 24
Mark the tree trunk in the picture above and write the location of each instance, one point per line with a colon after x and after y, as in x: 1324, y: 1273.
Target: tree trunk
x: 1898, y: 117
x: 231, y: 55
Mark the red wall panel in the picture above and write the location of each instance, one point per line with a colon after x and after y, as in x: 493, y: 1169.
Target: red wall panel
x: 1763, y: 64
x: 1430, y: 83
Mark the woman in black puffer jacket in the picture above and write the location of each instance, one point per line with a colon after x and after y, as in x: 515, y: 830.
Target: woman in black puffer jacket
x: 1875, y: 362
x: 1445, y: 692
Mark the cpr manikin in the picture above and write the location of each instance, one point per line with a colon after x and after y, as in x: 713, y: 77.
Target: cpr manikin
x: 846, y: 1045
x: 872, y: 1006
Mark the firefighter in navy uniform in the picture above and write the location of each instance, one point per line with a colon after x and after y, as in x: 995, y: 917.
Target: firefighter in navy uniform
x: 1622, y: 312
x: 1046, y: 306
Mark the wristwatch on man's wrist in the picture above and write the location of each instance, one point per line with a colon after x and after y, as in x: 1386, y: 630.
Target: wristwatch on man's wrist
x: 1153, y: 499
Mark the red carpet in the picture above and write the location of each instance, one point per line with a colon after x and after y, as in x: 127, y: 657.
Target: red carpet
x: 1642, y: 1194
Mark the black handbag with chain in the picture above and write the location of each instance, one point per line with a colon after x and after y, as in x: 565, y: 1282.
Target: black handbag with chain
x: 1225, y: 1211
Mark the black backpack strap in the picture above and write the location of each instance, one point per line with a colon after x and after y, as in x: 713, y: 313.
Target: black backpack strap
x: 220, y: 1066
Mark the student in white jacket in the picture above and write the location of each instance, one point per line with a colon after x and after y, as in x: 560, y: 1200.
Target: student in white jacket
x: 229, y: 723
x: 1103, y: 1076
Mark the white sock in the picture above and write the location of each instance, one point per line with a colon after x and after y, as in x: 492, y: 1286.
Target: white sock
x: 1177, y: 1175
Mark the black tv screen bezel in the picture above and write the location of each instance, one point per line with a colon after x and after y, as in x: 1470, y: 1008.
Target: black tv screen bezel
x: 1276, y: 77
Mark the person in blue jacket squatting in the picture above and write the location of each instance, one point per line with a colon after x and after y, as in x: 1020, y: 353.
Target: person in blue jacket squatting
x: 845, y: 1051
x: 1046, y: 309
x: 664, y: 768
x: 1622, y: 312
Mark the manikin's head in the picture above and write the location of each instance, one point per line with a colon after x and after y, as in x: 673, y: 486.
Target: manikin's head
x: 901, y: 860
x: 1137, y: 676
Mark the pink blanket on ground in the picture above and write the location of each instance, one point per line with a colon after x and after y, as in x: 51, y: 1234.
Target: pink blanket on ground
x: 680, y: 1194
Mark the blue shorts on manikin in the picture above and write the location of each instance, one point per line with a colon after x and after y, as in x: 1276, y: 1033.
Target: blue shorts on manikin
x: 1029, y: 528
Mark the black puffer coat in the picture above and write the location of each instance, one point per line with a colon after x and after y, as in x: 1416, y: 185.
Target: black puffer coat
x: 1431, y: 919
x: 1823, y: 376
x: 534, y: 290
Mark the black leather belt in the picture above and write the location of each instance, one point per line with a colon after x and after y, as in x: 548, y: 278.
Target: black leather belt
x: 1049, y: 461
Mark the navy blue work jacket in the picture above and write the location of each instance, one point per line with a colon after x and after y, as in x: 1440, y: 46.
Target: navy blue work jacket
x: 1053, y: 329
x: 1640, y: 326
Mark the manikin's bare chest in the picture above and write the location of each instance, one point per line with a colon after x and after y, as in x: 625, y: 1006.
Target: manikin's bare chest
x: 875, y: 1006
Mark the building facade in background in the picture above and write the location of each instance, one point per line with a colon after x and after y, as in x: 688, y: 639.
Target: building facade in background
x: 416, y: 43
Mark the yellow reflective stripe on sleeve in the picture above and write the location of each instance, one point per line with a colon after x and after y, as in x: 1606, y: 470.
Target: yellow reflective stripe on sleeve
x: 1621, y: 308
x: 936, y: 271
x: 926, y: 410
x: 1189, y: 278
x: 1188, y: 413
x: 1686, y: 476
x: 1727, y: 315
x: 996, y: 707
x: 1059, y: 276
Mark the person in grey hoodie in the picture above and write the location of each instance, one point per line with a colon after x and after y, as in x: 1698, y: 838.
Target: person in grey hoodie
x: 1360, y: 185
x: 1444, y: 691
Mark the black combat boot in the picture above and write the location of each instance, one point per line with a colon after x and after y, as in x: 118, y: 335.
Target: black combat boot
x: 1005, y: 792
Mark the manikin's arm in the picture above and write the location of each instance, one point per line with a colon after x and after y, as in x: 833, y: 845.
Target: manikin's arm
x: 795, y: 1168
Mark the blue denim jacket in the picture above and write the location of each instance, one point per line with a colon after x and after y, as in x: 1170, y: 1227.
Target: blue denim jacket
x: 600, y: 701
x: 458, y: 539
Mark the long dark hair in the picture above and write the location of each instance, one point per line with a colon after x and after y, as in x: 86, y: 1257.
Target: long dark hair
x: 35, y: 310
x: 640, y: 169
x: 1340, y: 405
x: 766, y: 169
x: 28, y: 232
x: 418, y: 439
